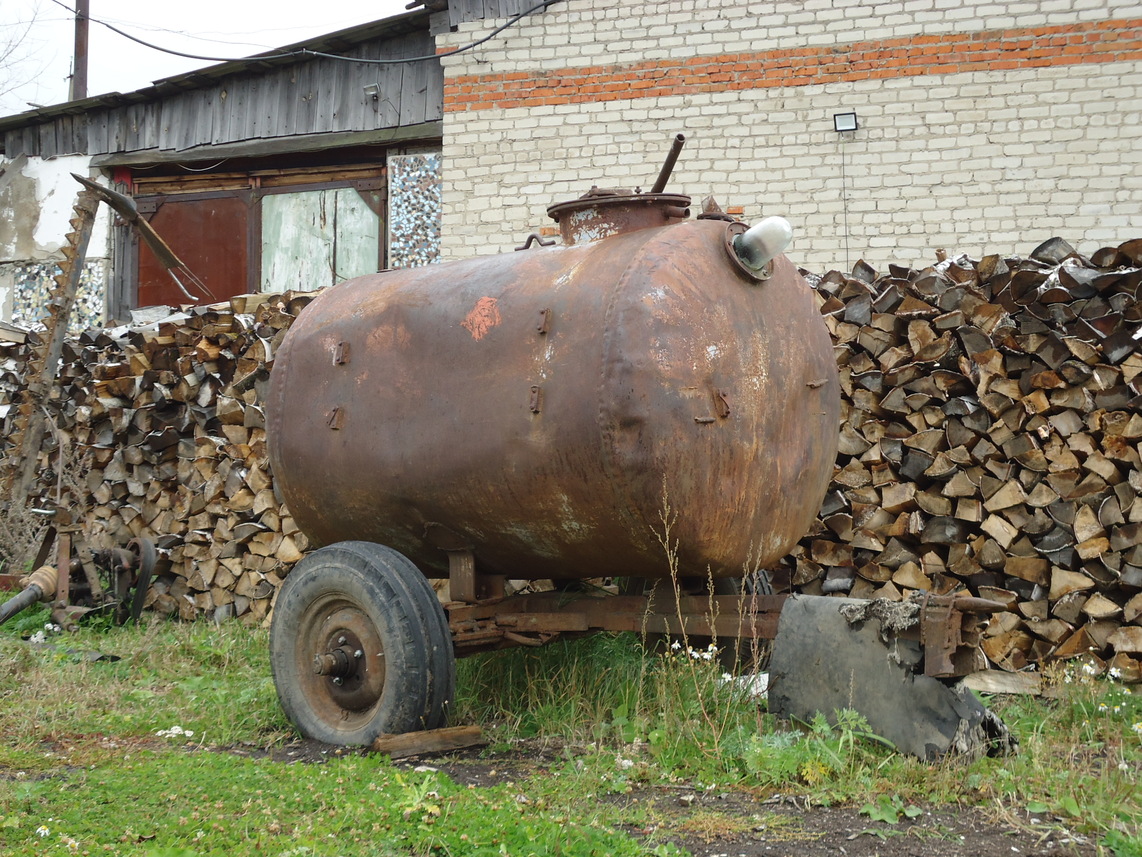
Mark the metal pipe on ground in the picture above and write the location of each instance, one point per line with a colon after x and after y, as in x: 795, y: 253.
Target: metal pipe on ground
x: 40, y: 585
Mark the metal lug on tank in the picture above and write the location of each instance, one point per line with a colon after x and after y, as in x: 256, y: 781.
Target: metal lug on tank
x: 761, y: 244
x: 536, y: 238
x: 336, y: 419
x: 544, y: 321
x: 536, y: 397
x: 341, y: 354
x: 721, y: 403
x: 712, y: 211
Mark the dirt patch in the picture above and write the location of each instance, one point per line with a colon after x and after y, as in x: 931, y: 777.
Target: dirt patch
x: 304, y: 750
x: 732, y: 825
x: 737, y: 824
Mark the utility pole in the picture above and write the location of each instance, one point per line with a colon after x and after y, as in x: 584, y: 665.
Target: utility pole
x: 79, y: 62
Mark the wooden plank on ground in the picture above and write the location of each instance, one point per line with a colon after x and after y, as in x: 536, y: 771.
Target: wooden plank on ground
x: 997, y: 681
x: 429, y: 741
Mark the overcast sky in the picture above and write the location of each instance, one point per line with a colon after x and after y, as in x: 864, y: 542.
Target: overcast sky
x: 217, y: 28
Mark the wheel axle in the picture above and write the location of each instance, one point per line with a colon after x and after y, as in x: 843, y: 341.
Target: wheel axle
x: 338, y: 663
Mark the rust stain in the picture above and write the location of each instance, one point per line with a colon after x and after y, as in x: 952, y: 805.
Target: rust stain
x: 483, y: 317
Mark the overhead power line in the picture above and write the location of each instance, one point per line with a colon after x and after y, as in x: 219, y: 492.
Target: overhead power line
x: 306, y: 52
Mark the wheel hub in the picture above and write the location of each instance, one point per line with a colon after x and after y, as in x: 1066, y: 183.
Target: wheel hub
x: 339, y: 663
x: 346, y: 661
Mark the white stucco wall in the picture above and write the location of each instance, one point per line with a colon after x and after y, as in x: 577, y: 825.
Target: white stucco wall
x: 36, y: 200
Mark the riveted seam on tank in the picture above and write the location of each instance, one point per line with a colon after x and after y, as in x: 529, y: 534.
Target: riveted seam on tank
x: 615, y: 475
x: 636, y: 518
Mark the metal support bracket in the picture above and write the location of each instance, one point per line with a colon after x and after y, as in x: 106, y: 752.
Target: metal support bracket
x: 466, y: 584
x: 950, y: 628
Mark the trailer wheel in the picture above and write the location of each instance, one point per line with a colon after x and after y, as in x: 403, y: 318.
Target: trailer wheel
x: 359, y: 646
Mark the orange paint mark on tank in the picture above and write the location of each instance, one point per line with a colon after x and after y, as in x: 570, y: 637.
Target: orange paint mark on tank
x: 483, y: 317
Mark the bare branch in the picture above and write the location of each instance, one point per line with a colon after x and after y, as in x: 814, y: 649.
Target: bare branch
x: 19, y: 64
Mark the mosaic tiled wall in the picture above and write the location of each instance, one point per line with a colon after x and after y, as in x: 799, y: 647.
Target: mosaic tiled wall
x: 32, y: 281
x: 414, y: 209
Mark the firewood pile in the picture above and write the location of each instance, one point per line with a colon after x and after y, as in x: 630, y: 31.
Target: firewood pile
x: 990, y: 443
x: 170, y: 419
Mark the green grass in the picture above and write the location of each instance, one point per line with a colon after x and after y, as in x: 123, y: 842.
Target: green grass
x: 214, y: 682
x: 83, y: 758
x: 673, y: 709
x: 164, y: 802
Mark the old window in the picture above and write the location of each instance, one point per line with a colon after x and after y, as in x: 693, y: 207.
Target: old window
x: 279, y: 228
x: 316, y: 238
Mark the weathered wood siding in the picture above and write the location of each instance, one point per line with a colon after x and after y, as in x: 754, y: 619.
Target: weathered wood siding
x: 460, y: 11
x: 264, y: 101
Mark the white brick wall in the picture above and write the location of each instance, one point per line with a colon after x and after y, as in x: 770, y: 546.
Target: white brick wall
x: 978, y: 162
x: 608, y: 32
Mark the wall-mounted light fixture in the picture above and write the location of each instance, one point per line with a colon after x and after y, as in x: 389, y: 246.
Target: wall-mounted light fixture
x: 844, y: 122
x: 372, y: 91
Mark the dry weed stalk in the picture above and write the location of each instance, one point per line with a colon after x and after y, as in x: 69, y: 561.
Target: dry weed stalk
x: 21, y: 534
x: 717, y: 717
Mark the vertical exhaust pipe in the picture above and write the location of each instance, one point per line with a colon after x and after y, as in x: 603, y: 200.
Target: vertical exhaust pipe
x: 668, y: 167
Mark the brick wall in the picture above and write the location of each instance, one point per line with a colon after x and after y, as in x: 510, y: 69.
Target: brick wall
x: 985, y: 125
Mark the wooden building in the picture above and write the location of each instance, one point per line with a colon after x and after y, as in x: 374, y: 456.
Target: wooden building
x: 293, y: 169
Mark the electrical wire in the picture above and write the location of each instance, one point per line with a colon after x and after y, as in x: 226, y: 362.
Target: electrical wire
x: 304, y: 52
x: 203, y: 169
x: 200, y: 37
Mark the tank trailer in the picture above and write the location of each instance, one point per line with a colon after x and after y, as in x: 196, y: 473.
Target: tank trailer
x: 655, y: 400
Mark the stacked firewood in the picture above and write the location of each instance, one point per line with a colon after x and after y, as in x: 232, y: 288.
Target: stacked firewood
x: 14, y: 351
x: 165, y: 425
x: 990, y: 444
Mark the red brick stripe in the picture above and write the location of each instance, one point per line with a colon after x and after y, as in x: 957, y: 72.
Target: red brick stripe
x: 953, y: 53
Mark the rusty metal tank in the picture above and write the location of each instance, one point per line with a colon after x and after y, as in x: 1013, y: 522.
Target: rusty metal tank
x: 554, y: 409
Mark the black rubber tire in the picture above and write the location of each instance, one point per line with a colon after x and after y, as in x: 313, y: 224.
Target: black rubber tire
x: 148, y: 556
x: 442, y: 655
x: 380, y: 603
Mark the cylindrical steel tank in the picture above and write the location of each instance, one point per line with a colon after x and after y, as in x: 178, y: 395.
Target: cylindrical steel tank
x: 555, y: 409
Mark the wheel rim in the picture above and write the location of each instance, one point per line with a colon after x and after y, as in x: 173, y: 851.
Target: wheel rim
x: 340, y: 658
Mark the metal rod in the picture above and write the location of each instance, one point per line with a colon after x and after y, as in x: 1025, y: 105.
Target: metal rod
x: 24, y: 600
x: 668, y: 167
